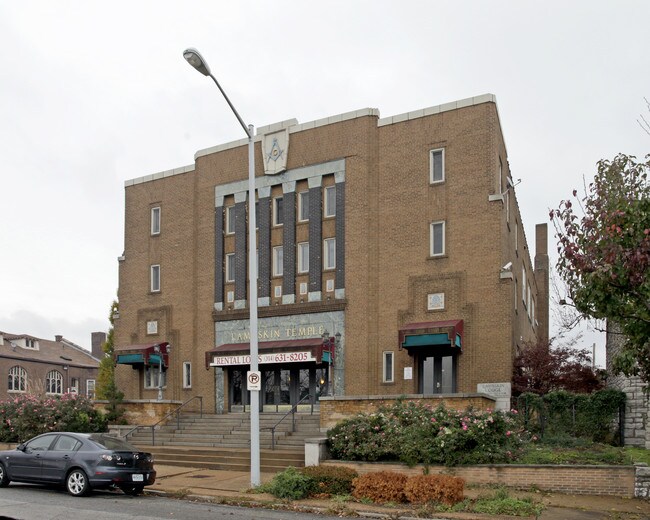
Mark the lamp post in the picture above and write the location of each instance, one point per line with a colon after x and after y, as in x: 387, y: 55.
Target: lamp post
x: 196, y: 60
x: 158, y: 350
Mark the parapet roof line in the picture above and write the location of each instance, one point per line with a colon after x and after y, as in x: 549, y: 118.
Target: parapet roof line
x: 294, y: 127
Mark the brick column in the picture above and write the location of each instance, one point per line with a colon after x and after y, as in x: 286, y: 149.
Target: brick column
x: 315, y: 239
x: 289, y: 243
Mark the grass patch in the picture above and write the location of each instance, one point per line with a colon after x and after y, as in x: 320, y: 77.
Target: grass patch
x: 638, y: 455
x: 498, y: 503
x: 592, y: 454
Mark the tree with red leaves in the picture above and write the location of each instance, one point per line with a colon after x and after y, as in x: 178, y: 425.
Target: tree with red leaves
x: 604, y: 255
x: 541, y: 368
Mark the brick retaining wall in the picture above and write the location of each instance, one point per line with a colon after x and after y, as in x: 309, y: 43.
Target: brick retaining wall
x: 581, y: 480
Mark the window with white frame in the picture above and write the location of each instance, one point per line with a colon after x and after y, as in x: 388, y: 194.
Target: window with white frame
x: 500, y: 179
x: 303, y: 206
x: 278, y: 211
x: 230, y: 220
x: 523, y: 285
x: 437, y: 239
x: 187, y: 374
x: 230, y: 296
x: 155, y: 278
x: 74, y: 385
x: 17, y: 379
x: 517, y: 238
x: 153, y: 376
x: 90, y: 388
x: 329, y: 253
x: 528, y: 298
x: 389, y: 369
x: 330, y: 201
x: 303, y: 288
x: 278, y: 261
x: 54, y: 382
x: 303, y: 257
x: 532, y: 311
x: 155, y: 220
x: 230, y: 267
x: 437, y: 165
x: 516, y: 294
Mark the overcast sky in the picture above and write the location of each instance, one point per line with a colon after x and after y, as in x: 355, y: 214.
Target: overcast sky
x: 95, y: 93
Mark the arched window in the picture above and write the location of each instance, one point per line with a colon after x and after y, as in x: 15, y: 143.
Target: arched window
x: 17, y: 379
x: 54, y: 382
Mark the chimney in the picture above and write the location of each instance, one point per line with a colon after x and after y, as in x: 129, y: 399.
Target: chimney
x: 97, y: 340
x: 58, y: 338
x: 542, y: 276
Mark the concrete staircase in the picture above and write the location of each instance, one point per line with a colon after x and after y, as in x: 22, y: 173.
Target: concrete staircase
x: 223, y: 441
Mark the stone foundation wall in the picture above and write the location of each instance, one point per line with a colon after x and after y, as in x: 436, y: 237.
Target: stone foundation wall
x: 335, y: 409
x: 145, y: 412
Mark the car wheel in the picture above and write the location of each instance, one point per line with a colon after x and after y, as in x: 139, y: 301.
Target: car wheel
x: 77, y: 483
x: 4, y: 478
x: 132, y: 490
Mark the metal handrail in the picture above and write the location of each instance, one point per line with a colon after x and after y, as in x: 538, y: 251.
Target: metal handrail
x: 293, y: 411
x: 178, y: 419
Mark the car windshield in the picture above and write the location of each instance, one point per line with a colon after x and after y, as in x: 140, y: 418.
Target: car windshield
x: 111, y: 443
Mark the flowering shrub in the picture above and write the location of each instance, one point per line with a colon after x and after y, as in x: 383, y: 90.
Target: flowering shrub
x: 413, y: 433
x: 25, y: 416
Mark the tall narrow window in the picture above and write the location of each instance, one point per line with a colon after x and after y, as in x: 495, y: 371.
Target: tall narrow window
x: 17, y: 379
x: 516, y: 294
x: 437, y: 238
x: 523, y: 285
x: 437, y: 165
x: 154, y: 378
x: 90, y: 388
x: 278, y: 211
x: 278, y: 261
x: 54, y: 382
x: 329, y: 253
x: 74, y: 385
x: 303, y: 206
x: 187, y: 374
x: 155, y: 278
x: 230, y: 267
x: 389, y: 371
x: 155, y: 221
x: 303, y: 257
x: 230, y: 220
x: 330, y: 201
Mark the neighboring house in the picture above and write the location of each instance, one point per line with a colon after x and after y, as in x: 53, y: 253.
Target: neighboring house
x: 400, y: 239
x: 637, y: 404
x: 43, y: 367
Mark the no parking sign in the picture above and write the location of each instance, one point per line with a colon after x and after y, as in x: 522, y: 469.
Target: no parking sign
x: 254, y: 381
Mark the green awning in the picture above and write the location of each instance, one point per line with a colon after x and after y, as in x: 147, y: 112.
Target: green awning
x: 130, y: 359
x: 436, y: 334
x: 423, y: 340
x: 151, y: 354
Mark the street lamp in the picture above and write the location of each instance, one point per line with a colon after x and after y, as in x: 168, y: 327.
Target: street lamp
x: 196, y: 60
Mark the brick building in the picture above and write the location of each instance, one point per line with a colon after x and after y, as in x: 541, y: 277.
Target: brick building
x: 398, y: 238
x: 44, y: 367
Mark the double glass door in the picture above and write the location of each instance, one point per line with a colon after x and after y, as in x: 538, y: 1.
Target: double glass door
x: 282, y: 387
x: 437, y: 375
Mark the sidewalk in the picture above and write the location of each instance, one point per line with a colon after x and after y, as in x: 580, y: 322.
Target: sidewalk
x: 232, y: 487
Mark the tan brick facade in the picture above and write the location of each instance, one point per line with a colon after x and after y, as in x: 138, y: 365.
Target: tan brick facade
x: 383, y: 168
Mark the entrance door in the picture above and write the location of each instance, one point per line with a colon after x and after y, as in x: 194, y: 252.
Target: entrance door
x: 282, y: 388
x: 437, y: 375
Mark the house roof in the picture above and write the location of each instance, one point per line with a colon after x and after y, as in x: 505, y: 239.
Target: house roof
x: 61, y: 352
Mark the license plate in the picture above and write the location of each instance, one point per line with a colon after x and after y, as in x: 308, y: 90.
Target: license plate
x: 137, y: 477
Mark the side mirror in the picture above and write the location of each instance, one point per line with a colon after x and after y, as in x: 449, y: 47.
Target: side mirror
x: 20, y: 447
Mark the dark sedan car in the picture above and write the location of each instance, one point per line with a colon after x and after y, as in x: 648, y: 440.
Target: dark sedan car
x: 80, y: 462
